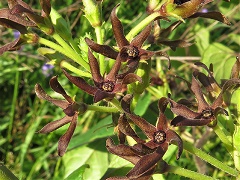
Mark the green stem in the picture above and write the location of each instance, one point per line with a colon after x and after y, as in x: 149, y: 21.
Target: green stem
x: 211, y: 160
x: 69, y: 50
x: 102, y: 109
x: 14, y: 100
x: 116, y: 103
x: 74, y: 46
x: 102, y: 65
x: 222, y: 136
x: 141, y: 25
x: 187, y: 173
x: 75, y: 70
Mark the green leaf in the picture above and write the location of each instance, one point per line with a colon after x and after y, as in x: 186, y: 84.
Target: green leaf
x: 94, y: 154
x: 143, y: 104
x: 98, y: 131
x: 78, y: 173
x: 202, y: 38
x: 222, y: 59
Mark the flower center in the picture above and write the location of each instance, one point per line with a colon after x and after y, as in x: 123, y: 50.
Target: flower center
x: 207, y: 113
x: 108, y: 86
x: 159, y: 137
x: 132, y: 51
x: 179, y: 2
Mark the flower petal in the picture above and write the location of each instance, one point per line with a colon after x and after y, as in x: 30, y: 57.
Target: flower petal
x: 123, y: 151
x: 100, y: 95
x: 46, y: 6
x: 55, y: 125
x: 94, y: 66
x: 65, y: 139
x: 125, y: 128
x: 43, y: 95
x: 102, y: 49
x: 182, y: 121
x: 195, y: 87
x: 182, y: 110
x: 81, y: 83
x: 145, y: 126
x: 146, y: 163
x: 111, y: 76
x: 172, y: 136
x: 131, y: 78
x: 142, y: 36
x: 56, y: 86
x: 236, y: 69
x: 212, y: 15
x: 118, y: 29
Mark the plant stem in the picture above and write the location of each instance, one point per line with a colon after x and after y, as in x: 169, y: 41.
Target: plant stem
x: 141, y: 25
x: 188, y: 173
x: 224, y: 139
x: 102, y: 109
x: 68, y: 48
x: 6, y: 174
x: 116, y: 103
x: 102, y: 64
x: 75, y: 70
x: 211, y: 160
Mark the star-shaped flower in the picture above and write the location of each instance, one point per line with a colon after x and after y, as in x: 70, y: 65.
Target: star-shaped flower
x: 70, y: 108
x: 105, y: 87
x: 160, y: 136
x: 132, y: 51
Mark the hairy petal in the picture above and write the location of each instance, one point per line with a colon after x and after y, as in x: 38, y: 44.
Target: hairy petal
x: 195, y: 87
x: 56, y: 86
x: 131, y: 78
x: 65, y: 139
x: 114, y: 71
x: 81, y: 83
x: 43, y: 95
x: 14, y: 45
x: 212, y: 15
x: 100, y: 95
x: 123, y: 151
x: 142, y: 36
x: 7, y: 14
x: 102, y: 49
x: 236, y: 69
x: 172, y: 136
x: 182, y: 121
x: 182, y: 110
x: 118, y: 29
x: 55, y: 125
x: 94, y: 68
x: 125, y: 128
x: 146, y: 163
x: 46, y: 6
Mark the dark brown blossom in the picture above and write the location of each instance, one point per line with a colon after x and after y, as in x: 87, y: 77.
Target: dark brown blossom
x: 19, y: 16
x: 70, y: 108
x: 207, y: 112
x: 132, y: 51
x: 146, y: 155
x: 105, y: 87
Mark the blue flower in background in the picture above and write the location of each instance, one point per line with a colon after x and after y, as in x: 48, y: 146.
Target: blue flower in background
x: 204, y: 10
x: 47, y: 70
x: 16, y: 34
